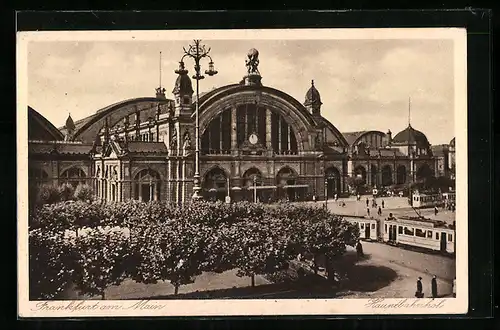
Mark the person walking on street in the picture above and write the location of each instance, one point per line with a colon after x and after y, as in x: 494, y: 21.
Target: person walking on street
x: 383, y: 204
x: 359, y: 250
x: 419, y: 293
x: 436, y: 210
x: 379, y: 211
x: 368, y: 211
x: 367, y: 202
x: 434, y: 287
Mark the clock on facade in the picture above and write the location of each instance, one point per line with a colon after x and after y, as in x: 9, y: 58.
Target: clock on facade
x: 253, y: 139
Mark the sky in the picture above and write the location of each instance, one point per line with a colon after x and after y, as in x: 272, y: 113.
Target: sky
x: 364, y: 84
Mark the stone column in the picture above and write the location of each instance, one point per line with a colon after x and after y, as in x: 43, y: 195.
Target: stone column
x: 234, y: 139
x: 183, y: 181
x: 269, y: 141
x: 279, y: 133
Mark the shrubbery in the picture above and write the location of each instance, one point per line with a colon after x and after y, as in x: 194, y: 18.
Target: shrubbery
x: 74, y: 242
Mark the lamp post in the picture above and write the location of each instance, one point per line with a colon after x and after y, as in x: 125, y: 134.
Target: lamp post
x: 255, y: 189
x: 326, y: 193
x: 198, y: 51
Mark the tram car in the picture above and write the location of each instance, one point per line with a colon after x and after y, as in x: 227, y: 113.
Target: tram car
x: 449, y: 197
x: 368, y: 227
x: 420, y: 232
x: 419, y: 200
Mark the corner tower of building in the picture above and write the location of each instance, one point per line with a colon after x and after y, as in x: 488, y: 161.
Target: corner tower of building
x: 313, y: 101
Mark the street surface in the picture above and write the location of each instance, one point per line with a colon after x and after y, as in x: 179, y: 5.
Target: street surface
x: 397, y: 205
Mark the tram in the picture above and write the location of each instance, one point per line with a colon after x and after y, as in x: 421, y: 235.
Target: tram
x: 417, y: 232
x: 419, y: 200
x: 420, y: 232
x: 368, y: 227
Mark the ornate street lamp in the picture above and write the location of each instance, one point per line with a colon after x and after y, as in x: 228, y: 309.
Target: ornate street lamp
x: 255, y: 189
x: 198, y: 51
x: 326, y: 193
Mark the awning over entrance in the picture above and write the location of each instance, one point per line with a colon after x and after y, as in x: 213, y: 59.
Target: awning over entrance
x: 261, y: 187
x: 295, y: 186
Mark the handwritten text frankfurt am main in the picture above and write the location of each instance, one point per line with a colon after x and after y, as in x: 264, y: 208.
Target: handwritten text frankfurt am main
x: 74, y: 306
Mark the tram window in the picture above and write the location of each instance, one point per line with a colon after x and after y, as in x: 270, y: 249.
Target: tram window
x: 420, y: 233
x: 400, y: 230
x: 450, y: 237
x: 408, y: 231
x: 429, y: 234
x: 437, y: 235
x: 373, y: 226
x: 386, y: 229
x: 362, y: 226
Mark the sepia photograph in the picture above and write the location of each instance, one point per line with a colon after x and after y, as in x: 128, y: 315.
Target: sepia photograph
x: 242, y: 172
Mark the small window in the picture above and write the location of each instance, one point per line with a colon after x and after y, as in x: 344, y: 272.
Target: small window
x: 400, y: 230
x: 420, y: 233
x: 429, y: 234
x: 450, y: 237
x: 386, y: 229
x: 373, y: 226
x: 362, y: 226
x: 409, y: 231
x: 437, y: 235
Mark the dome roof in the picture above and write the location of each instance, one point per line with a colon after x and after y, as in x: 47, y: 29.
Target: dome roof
x: 312, y: 95
x: 183, y: 84
x: 70, y: 124
x: 412, y: 136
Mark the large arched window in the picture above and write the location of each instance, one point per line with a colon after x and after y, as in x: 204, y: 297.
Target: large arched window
x: 253, y: 127
x: 73, y: 176
x: 374, y: 175
x: 386, y: 176
x: 147, y: 185
x: 215, y: 184
x: 401, y: 174
x: 332, y: 175
x: 360, y: 172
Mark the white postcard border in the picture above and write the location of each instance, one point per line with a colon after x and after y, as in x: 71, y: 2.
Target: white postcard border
x: 100, y: 308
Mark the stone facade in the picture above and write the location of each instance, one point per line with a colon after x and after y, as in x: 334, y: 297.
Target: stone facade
x: 255, y: 142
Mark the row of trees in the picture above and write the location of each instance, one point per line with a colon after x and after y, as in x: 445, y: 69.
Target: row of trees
x: 93, y: 246
x: 50, y: 194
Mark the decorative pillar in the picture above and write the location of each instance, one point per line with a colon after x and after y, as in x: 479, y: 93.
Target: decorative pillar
x: 183, y: 181
x: 234, y: 141
x: 169, y: 180
x: 289, y: 137
x: 279, y: 133
x: 220, y: 133
x: 269, y: 141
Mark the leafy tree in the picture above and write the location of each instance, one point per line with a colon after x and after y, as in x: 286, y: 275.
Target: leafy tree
x: 66, y: 191
x: 84, y: 192
x: 51, y: 263
x: 48, y: 194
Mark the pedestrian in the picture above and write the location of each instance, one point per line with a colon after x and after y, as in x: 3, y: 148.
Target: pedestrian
x: 359, y: 249
x: 454, y: 287
x: 367, y: 202
x: 383, y: 204
x: 359, y: 197
x: 368, y: 211
x: 419, y: 293
x: 336, y: 197
x: 435, y: 210
x: 434, y: 287
x: 314, y: 198
x: 379, y: 211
